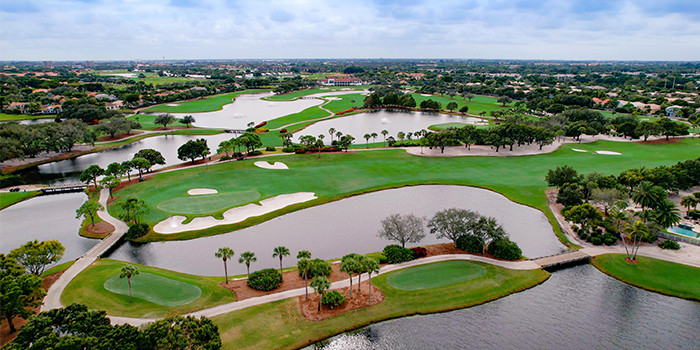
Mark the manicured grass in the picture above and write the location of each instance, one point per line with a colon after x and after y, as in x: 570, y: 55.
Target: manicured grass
x: 9, y: 198
x: 89, y: 288
x: 191, y: 131
x: 660, y: 276
x: 301, y: 93
x: 307, y: 114
x: 58, y: 268
x: 4, y: 117
x: 209, y: 203
x: 212, y: 103
x: 444, y: 126
x: 156, y: 289
x: 339, y: 175
x: 435, y: 275
x: 477, y: 105
x: 280, y: 325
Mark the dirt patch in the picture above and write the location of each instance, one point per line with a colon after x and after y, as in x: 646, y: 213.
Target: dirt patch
x: 663, y: 141
x: 449, y: 248
x: 101, y: 229
x: 119, y: 136
x: 360, y: 300
x: 290, y: 280
x: 5, y: 336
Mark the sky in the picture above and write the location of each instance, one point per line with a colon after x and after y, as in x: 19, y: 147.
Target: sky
x: 56, y: 30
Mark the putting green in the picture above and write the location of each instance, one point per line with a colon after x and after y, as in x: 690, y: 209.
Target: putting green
x: 156, y: 289
x: 435, y: 275
x: 207, y: 203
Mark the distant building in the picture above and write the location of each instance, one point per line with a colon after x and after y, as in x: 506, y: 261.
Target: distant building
x: 672, y: 110
x: 333, y: 81
x: 114, y: 105
x: 51, y: 109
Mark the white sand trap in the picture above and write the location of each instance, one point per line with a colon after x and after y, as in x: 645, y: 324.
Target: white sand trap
x: 172, y: 104
x: 578, y: 150
x: 333, y: 98
x: 267, y: 165
x: 426, y: 95
x: 199, y: 191
x: 610, y: 153
x: 174, y: 224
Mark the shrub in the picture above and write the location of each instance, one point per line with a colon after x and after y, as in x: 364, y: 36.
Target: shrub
x: 136, y: 231
x: 396, y: 254
x: 471, y: 244
x: 597, y: 231
x: 322, y: 268
x: 270, y: 148
x: 290, y: 149
x: 377, y: 256
x: 504, y: 248
x: 333, y: 299
x: 694, y: 214
x: 224, y: 158
x: 255, y: 153
x: 584, y: 236
x: 419, y: 252
x: 669, y: 244
x: 596, y: 240
x: 265, y: 279
x: 261, y: 130
x: 609, y: 241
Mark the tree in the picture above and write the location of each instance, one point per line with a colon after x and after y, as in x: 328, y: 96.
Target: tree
x: 451, y: 223
x: 619, y: 216
x: 140, y: 164
x: 224, y: 253
x: 442, y: 139
x: 469, y: 96
x: 247, y: 258
x: 152, y: 156
x: 402, y: 228
x: 371, y: 266
x: 19, y: 291
x: 110, y: 182
x: 280, y: 252
x: 89, y: 210
x: 331, y: 131
x: 114, y: 169
x: 126, y: 167
x: 562, y: 175
x: 504, y: 100
x: 486, y: 229
x: 648, y: 195
x: 133, y: 210
x: 374, y: 136
x: 464, y: 109
x: 367, y: 137
x: 583, y: 214
x: 451, y: 106
x: 164, y: 120
x: 127, y: 272
x: 384, y: 133
x: 250, y: 141
x: 646, y: 128
x: 607, y: 197
x: 346, y: 141
x: 304, y: 265
x: 689, y: 202
x: 667, y: 213
x: 35, y: 255
x: 349, y: 264
x: 193, y: 149
x: 91, y: 174
x: 178, y: 332
x: 320, y: 285
x: 636, y: 233
x: 187, y: 120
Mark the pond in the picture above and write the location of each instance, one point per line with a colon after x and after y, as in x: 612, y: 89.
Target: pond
x: 392, y: 121
x: 576, y: 308
x: 350, y: 225
x: 67, y: 171
x: 45, y: 218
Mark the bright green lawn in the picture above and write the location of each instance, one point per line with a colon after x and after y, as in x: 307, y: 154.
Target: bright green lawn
x: 147, y: 122
x: 660, y: 276
x: 89, y: 288
x: 477, y: 105
x: 212, y: 103
x: 208, y: 203
x: 4, y: 117
x: 58, y: 268
x: 300, y: 93
x: 339, y: 175
x: 280, y: 325
x: 9, y: 198
x: 156, y: 289
x: 435, y: 275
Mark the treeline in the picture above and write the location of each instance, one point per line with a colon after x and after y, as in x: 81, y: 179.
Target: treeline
x: 22, y: 141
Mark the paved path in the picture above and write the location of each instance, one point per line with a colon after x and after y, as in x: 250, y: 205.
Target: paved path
x: 53, y: 296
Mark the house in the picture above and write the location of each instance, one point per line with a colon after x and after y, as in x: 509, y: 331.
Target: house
x: 39, y: 90
x: 51, y: 109
x: 105, y: 96
x: 22, y: 106
x: 600, y: 101
x: 333, y: 81
x: 114, y: 105
x: 672, y: 110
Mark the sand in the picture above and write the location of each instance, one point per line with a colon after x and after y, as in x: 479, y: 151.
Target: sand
x: 200, y: 191
x: 426, y: 95
x: 333, y: 98
x: 267, y: 165
x: 174, y: 224
x: 610, y: 153
x: 578, y: 150
x: 172, y: 104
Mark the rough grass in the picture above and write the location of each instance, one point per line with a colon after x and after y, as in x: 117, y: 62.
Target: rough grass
x: 89, y: 288
x: 435, y: 275
x: 9, y: 198
x: 280, y: 325
x: 339, y: 175
x: 659, y: 276
x: 58, y: 268
x: 208, y: 104
x: 4, y: 117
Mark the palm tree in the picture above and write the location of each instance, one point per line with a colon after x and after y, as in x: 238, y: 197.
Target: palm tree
x: 349, y: 266
x: 320, y: 284
x: 371, y: 266
x: 247, y: 258
x: 384, y: 133
x: 304, y: 254
x: 619, y: 216
x: 689, y: 202
x: 338, y: 134
x: 648, y: 195
x: 129, y: 271
x: 367, y: 137
x: 332, y: 132
x: 667, y: 214
x: 305, y: 265
x: 636, y: 233
x: 280, y: 252
x: 224, y: 253
x: 374, y: 137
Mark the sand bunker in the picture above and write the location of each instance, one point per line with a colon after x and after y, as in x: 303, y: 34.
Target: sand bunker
x: 578, y: 150
x: 172, y: 104
x: 610, y: 153
x: 267, y: 165
x: 426, y: 95
x: 174, y: 224
x: 333, y: 98
x: 198, y: 191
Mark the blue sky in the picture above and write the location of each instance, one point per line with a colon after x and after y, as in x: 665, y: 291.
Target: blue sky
x: 200, y: 29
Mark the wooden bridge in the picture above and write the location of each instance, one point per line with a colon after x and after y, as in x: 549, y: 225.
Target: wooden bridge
x: 563, y: 260
x: 234, y: 131
x: 62, y: 189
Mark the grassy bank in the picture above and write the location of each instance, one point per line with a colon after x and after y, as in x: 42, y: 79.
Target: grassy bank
x: 301, y: 93
x: 5, y: 117
x: 208, y: 104
x: 659, y: 276
x: 280, y: 325
x: 9, y: 198
x: 89, y: 288
x: 58, y: 268
x: 336, y: 176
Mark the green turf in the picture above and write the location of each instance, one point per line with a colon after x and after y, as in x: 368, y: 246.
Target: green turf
x: 209, y: 104
x: 89, y: 288
x: 477, y: 105
x: 435, y: 275
x: 9, y: 198
x: 279, y: 325
x: 301, y: 93
x: 208, y: 203
x: 4, y: 117
x: 652, y: 274
x: 156, y: 289
x: 443, y: 126
x: 339, y: 175
x: 58, y: 268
